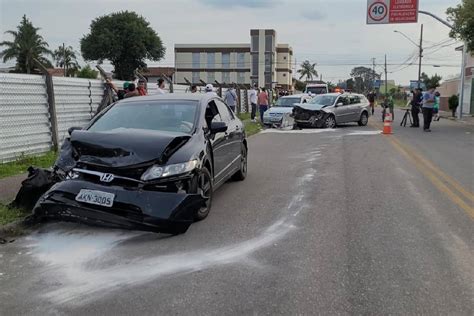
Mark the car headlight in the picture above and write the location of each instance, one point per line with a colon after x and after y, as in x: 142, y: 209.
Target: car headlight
x: 157, y: 172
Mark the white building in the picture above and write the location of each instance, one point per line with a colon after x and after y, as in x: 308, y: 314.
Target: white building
x: 262, y: 61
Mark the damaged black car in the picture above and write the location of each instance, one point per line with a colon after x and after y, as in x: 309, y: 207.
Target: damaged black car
x: 148, y: 163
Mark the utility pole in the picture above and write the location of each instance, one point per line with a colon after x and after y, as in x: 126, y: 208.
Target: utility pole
x: 386, y: 81
x: 64, y: 60
x: 420, y: 57
x: 373, y: 74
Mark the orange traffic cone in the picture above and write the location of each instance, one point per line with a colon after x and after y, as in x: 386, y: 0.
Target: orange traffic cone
x: 387, y: 124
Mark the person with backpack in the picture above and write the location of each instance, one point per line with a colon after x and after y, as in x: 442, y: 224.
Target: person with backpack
x: 230, y: 98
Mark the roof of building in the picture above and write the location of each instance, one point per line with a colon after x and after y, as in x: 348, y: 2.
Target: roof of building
x: 56, y: 72
x: 158, y: 71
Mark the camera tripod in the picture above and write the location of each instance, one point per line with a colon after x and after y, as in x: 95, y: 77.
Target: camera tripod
x: 406, y: 117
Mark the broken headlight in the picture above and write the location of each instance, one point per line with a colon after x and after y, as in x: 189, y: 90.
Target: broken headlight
x: 157, y: 172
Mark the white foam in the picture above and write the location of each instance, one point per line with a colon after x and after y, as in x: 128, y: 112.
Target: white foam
x: 296, y: 131
x: 363, y: 133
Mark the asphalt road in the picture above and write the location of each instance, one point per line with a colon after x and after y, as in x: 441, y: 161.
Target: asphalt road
x: 342, y: 221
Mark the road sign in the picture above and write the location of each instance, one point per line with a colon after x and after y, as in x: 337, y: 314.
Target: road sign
x: 392, y: 11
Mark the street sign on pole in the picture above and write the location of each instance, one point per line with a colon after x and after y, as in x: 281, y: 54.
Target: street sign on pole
x: 392, y: 11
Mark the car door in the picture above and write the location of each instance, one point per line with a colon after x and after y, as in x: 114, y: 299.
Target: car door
x: 342, y: 109
x: 353, y: 113
x: 234, y: 134
x: 219, y: 141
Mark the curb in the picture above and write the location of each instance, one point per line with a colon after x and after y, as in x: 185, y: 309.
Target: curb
x: 14, y: 229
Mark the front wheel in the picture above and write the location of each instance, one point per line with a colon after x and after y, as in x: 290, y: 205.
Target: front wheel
x: 205, y: 189
x: 330, y: 122
x: 242, y: 173
x: 364, y: 119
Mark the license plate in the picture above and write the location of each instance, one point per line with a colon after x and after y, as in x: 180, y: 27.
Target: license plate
x: 96, y: 197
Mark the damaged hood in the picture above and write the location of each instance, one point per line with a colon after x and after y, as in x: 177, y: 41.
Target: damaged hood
x: 312, y: 106
x: 125, y: 147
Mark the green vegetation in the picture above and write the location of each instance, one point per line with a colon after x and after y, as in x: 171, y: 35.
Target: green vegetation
x: 453, y: 103
x: 307, y: 70
x: 87, y: 72
x: 65, y: 57
x: 250, y: 127
x: 22, y: 163
x: 8, y: 215
x: 126, y: 39
x: 462, y: 17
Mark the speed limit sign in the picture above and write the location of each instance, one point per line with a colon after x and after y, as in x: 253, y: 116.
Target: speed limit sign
x: 392, y: 11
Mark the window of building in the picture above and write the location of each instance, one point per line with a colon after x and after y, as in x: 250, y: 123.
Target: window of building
x: 268, y: 79
x: 226, y: 60
x: 211, y: 60
x: 195, y: 77
x: 196, y: 60
x: 211, y: 77
x: 240, y: 60
x: 241, y: 77
x: 255, y: 65
x: 226, y: 77
x: 284, y: 75
x: 268, y: 62
x: 268, y: 43
x: 284, y: 57
x: 254, y: 40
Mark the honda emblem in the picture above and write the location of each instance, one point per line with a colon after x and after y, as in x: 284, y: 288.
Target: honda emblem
x: 106, y: 177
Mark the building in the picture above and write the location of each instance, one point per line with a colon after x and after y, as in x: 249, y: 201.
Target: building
x: 152, y: 74
x: 262, y: 62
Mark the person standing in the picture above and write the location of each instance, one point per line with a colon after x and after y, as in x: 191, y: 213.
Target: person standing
x: 436, y: 107
x: 230, y: 98
x: 194, y: 89
x: 371, y: 97
x: 132, y: 91
x: 262, y: 103
x: 428, y: 105
x: 415, y: 107
x: 253, y: 102
x: 141, y: 87
x: 161, y: 86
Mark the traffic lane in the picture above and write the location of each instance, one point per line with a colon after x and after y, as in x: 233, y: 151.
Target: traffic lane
x: 450, y: 146
x: 79, y: 254
x: 343, y: 253
x: 356, y: 249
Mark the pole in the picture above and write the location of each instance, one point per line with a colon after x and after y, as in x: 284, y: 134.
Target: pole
x: 386, y: 81
x: 64, y: 60
x: 420, y: 57
x: 373, y: 74
x: 463, y: 77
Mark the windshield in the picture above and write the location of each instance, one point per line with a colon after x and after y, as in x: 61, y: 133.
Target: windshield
x: 170, y: 116
x: 323, y: 100
x: 287, y: 102
x: 317, y: 90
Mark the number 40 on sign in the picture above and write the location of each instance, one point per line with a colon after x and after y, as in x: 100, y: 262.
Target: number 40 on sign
x: 392, y: 11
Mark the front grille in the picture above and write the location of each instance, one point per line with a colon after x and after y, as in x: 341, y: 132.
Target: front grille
x: 134, y: 173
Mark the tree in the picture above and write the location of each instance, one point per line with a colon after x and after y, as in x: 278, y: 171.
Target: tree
x: 26, y: 46
x: 307, y: 70
x: 453, y: 103
x: 462, y: 17
x: 65, y: 57
x: 364, y: 78
x: 331, y: 86
x: 299, y: 85
x: 124, y: 38
x: 87, y: 72
x: 350, y: 84
x: 430, y: 82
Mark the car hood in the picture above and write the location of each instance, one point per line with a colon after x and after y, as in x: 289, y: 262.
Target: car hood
x: 125, y: 147
x: 280, y: 110
x: 312, y: 106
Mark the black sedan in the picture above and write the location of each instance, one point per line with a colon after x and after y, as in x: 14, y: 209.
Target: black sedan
x: 149, y: 163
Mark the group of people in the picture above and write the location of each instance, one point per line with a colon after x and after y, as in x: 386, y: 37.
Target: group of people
x: 260, y: 97
x: 428, y: 104
x: 135, y: 88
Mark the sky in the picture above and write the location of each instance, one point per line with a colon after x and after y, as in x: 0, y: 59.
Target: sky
x: 331, y: 33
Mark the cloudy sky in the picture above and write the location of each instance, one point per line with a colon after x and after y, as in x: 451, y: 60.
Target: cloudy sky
x: 332, y: 33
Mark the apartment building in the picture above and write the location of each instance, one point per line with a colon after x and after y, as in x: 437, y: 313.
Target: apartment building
x: 262, y: 62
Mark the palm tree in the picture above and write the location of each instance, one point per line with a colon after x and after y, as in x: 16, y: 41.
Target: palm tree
x: 26, y: 46
x: 307, y: 70
x: 65, y: 57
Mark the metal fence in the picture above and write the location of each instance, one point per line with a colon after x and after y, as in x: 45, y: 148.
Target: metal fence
x: 25, y: 127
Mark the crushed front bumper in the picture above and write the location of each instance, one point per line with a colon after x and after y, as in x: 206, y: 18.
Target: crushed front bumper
x: 136, y: 209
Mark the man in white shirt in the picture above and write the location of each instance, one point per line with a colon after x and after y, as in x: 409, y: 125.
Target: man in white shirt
x: 161, y: 87
x: 253, y: 102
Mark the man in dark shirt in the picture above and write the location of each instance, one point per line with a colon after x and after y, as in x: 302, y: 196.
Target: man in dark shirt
x: 371, y: 97
x: 415, y: 107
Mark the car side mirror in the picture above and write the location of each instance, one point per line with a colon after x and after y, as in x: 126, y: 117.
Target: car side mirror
x: 218, y: 127
x: 72, y: 129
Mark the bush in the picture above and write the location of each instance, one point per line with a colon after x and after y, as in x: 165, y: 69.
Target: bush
x: 453, y: 103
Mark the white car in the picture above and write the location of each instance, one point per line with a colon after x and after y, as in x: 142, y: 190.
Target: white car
x: 283, y: 106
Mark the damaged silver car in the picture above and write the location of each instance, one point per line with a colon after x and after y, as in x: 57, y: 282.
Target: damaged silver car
x: 329, y: 110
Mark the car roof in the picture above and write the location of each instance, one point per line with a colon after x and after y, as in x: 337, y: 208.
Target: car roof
x: 172, y: 96
x: 344, y: 94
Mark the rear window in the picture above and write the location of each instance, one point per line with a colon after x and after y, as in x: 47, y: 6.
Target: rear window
x: 317, y: 90
x: 170, y: 116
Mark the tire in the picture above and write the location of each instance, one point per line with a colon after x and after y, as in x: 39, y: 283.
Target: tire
x: 330, y: 121
x: 364, y: 119
x: 242, y: 173
x: 205, y: 188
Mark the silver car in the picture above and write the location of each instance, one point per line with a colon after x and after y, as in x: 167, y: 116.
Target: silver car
x: 283, y: 106
x: 329, y: 110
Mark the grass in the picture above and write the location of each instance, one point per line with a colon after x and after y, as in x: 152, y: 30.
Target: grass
x: 8, y: 215
x: 22, y: 163
x: 251, y: 128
